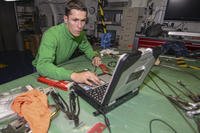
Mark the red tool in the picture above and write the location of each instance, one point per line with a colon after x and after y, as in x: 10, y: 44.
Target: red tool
x: 104, y: 68
x: 61, y: 84
x: 97, y: 128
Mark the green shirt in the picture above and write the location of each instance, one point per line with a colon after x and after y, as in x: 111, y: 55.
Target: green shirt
x: 57, y: 46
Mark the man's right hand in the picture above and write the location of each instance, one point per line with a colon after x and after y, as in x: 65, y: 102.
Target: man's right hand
x: 86, y: 77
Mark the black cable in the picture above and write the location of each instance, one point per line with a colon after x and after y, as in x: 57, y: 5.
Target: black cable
x: 175, y: 87
x: 106, y: 120
x: 170, y: 85
x: 172, y: 105
x: 75, y: 113
x: 153, y: 89
x: 150, y: 125
x: 164, y: 81
x: 197, y: 121
x: 59, y: 101
x: 72, y: 111
x: 163, y: 94
x: 180, y: 70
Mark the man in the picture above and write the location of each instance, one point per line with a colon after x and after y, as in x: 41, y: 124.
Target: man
x: 59, y: 43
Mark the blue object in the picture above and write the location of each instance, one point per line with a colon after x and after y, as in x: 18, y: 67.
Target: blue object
x: 106, y: 40
x: 177, y: 48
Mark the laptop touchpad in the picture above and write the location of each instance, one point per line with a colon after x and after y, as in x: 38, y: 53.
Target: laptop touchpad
x: 106, y: 78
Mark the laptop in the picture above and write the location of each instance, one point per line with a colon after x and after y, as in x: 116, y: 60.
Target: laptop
x: 129, y: 73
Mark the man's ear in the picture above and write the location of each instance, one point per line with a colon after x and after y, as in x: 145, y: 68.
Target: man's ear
x: 65, y: 19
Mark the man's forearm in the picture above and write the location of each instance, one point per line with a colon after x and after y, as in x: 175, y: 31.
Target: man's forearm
x: 54, y: 72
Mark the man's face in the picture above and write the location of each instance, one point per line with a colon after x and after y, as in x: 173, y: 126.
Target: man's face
x: 75, y: 21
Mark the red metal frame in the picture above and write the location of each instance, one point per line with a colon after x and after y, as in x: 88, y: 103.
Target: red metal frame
x: 151, y: 42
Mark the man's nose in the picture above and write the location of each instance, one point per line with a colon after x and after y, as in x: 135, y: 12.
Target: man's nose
x: 80, y: 24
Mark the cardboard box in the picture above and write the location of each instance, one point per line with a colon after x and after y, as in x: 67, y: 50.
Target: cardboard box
x: 129, y: 25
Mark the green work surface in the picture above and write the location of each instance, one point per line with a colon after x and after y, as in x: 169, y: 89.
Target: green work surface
x: 135, y: 115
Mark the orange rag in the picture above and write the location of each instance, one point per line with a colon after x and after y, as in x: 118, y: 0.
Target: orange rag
x: 33, y: 106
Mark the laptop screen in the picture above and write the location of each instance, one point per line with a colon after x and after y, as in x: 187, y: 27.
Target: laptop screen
x: 129, y: 74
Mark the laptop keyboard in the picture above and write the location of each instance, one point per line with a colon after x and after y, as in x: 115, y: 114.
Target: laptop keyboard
x: 98, y: 92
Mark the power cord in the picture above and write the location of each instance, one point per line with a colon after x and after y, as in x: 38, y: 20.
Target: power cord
x: 72, y: 110
x: 73, y: 98
x: 161, y: 92
x: 106, y: 120
x: 151, y: 122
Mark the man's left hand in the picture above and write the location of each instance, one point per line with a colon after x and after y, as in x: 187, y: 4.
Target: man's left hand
x: 96, y: 61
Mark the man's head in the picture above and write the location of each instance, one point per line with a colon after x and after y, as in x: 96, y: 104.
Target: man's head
x: 75, y: 17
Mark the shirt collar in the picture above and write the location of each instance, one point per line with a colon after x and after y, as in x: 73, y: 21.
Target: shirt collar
x: 67, y: 33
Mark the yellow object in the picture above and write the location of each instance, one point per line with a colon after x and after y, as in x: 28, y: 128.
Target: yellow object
x: 27, y: 45
x: 181, y: 63
x: 194, y: 67
x: 102, y: 16
x: 3, y: 66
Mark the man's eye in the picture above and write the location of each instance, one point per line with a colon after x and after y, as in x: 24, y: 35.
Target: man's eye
x: 83, y: 21
x: 75, y: 20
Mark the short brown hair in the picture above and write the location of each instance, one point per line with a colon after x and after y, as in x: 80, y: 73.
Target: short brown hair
x: 74, y: 4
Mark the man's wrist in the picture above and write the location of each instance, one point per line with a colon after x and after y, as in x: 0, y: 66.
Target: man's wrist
x: 96, y: 54
x: 94, y: 57
x: 73, y: 76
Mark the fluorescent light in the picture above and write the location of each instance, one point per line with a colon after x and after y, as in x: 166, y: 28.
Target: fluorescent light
x: 11, y: 0
x: 179, y: 33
